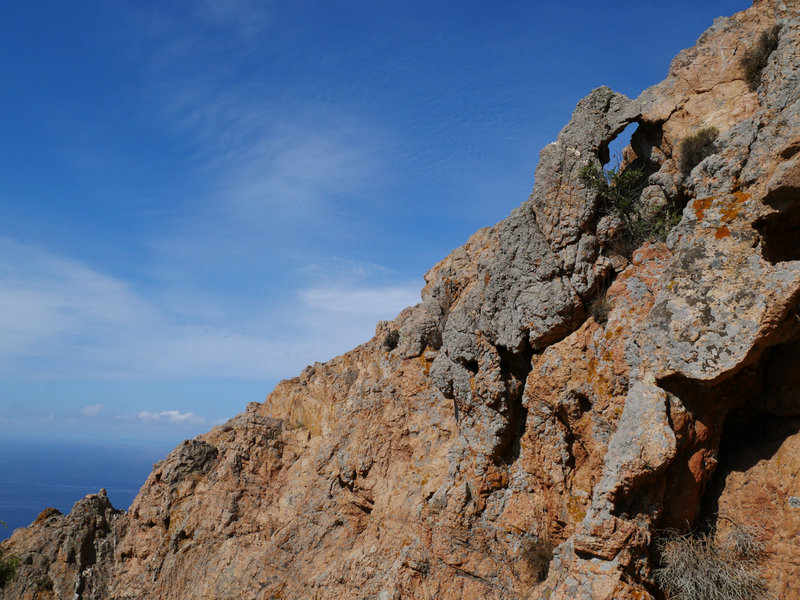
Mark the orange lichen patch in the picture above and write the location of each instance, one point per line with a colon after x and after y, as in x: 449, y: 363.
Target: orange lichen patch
x: 729, y: 213
x: 46, y: 514
x: 425, y: 364
x: 722, y: 232
x: 741, y: 196
x: 576, y: 509
x: 598, y: 375
x: 701, y: 205
x: 733, y: 208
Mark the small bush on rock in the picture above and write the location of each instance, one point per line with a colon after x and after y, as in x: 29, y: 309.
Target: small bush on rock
x: 619, y: 191
x: 391, y: 340
x: 694, y: 148
x: 696, y: 567
x: 756, y: 58
x: 8, y: 568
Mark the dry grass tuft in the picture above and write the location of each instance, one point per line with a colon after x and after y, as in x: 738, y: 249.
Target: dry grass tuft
x: 694, y: 148
x: 756, y: 58
x: 538, y: 552
x: 391, y: 340
x: 600, y: 307
x: 696, y: 567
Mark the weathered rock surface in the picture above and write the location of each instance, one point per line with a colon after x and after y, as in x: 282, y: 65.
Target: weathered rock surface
x: 510, y: 445
x: 68, y: 556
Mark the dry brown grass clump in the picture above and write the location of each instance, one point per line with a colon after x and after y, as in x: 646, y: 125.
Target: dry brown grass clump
x: 696, y: 567
x: 538, y: 552
x: 694, y: 148
x: 756, y: 58
x: 391, y: 340
x: 600, y: 307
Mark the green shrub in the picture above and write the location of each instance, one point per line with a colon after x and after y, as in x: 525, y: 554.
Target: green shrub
x: 694, y: 148
x: 391, y: 340
x: 8, y: 568
x: 756, y: 58
x: 619, y: 192
x: 695, y: 567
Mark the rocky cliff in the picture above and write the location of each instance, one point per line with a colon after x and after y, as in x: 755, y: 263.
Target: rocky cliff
x: 564, y: 396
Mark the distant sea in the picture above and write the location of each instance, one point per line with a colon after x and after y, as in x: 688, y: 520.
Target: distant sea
x: 37, y: 475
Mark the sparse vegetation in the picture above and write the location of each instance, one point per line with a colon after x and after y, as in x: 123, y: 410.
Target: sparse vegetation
x: 391, y: 340
x: 694, y: 148
x: 538, y: 552
x: 619, y: 191
x: 756, y: 58
x: 696, y: 567
x: 8, y: 567
x: 432, y: 338
x: 600, y: 307
x: 44, y: 584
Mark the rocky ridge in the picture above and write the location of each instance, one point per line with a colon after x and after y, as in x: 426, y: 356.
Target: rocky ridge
x: 511, y: 445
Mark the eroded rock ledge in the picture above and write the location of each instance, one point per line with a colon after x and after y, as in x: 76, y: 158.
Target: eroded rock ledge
x: 510, y: 445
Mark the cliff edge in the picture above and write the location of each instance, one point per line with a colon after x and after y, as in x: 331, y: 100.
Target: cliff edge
x: 568, y: 395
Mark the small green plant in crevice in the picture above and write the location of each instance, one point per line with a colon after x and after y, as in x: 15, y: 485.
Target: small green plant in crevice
x: 695, y: 566
x: 756, y: 58
x: 694, y: 148
x: 391, y: 340
x: 619, y: 192
x: 8, y: 567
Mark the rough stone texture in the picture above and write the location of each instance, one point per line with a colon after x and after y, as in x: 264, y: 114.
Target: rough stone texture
x: 74, y: 554
x: 511, y: 446
x: 757, y: 485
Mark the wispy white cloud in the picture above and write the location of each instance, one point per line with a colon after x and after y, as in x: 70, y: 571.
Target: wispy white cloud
x: 277, y: 178
x: 167, y: 416
x: 291, y: 177
x: 61, y: 317
x: 43, y: 296
x: 273, y: 174
x: 376, y: 302
x: 92, y: 410
x: 244, y: 18
x: 268, y: 157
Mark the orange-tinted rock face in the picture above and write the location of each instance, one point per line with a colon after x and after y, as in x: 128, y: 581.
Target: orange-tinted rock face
x: 508, y: 445
x: 759, y: 486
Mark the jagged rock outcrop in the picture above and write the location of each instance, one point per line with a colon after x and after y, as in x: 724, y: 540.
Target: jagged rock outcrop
x: 510, y: 445
x: 66, y: 556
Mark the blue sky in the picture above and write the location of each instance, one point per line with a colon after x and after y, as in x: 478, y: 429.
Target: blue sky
x: 197, y: 199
